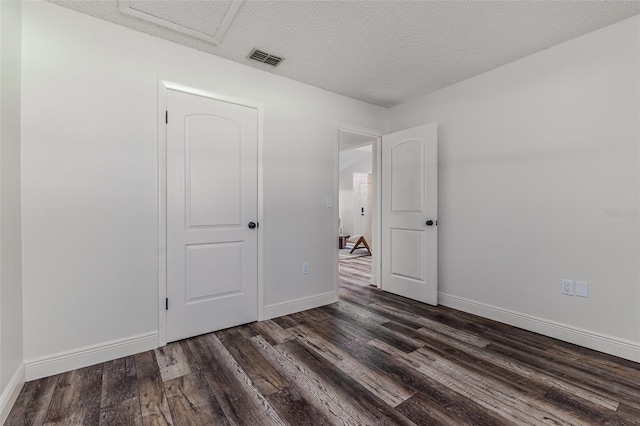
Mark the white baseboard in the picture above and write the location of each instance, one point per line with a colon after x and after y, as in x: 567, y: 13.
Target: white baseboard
x: 11, y: 392
x: 297, y: 305
x: 89, y: 355
x: 608, y: 344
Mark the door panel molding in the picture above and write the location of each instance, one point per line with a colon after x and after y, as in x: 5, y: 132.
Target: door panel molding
x: 163, y: 87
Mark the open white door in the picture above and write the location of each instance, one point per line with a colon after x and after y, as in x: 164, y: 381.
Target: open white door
x: 212, y: 206
x: 409, y: 213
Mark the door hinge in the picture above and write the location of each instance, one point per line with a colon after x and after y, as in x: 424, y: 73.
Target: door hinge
x: 166, y: 304
x: 166, y: 116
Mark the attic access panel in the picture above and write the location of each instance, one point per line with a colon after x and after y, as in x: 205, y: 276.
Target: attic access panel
x: 205, y: 20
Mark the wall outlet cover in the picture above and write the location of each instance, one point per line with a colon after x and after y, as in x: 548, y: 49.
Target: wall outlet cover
x: 305, y: 268
x: 567, y: 287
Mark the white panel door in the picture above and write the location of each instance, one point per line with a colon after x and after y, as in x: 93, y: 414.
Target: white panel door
x: 212, y: 280
x: 409, y: 213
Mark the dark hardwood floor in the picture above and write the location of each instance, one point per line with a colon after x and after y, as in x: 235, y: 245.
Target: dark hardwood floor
x: 373, y: 358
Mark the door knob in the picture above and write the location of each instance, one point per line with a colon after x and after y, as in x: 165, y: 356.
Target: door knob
x: 252, y: 225
x: 430, y: 222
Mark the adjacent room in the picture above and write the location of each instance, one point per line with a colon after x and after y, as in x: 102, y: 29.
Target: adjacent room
x: 319, y: 212
x: 356, y: 207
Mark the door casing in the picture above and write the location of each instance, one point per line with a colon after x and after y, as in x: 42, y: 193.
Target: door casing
x: 163, y: 86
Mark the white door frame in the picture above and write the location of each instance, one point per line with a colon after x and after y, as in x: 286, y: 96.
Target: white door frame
x: 163, y: 86
x: 376, y: 228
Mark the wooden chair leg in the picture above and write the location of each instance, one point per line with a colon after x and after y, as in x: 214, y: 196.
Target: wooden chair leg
x: 362, y: 241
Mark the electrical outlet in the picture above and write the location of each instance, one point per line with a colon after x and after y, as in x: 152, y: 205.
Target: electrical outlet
x: 567, y: 287
x: 305, y: 268
x: 582, y: 288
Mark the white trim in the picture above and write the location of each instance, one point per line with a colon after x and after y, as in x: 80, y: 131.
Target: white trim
x: 227, y: 19
x: 376, y: 272
x: 298, y: 305
x: 163, y: 86
x: 601, y: 342
x: 61, y: 362
x: 162, y: 213
x: 376, y: 135
x: 260, y: 109
x: 11, y: 392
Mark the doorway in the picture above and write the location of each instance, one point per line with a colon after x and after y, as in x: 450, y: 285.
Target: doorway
x: 358, y: 214
x: 404, y: 240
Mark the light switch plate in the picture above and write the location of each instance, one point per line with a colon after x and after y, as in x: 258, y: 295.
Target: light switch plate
x: 329, y: 202
x: 582, y: 288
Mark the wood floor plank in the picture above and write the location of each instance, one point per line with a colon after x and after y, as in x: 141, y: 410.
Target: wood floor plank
x: 370, y: 409
x: 32, y: 403
x: 357, y: 313
x: 520, y: 406
x: 599, y: 356
x: 241, y: 402
x: 363, y: 331
x: 286, y: 321
x: 597, y: 363
x: 264, y: 376
x: 153, y: 400
x: 628, y: 411
x: 427, y: 324
x: 227, y: 333
x: 481, y: 327
x: 598, y: 384
x: 246, y: 330
x: 175, y: 360
x: 375, y: 380
x: 497, y: 331
x: 120, y: 403
x: 421, y: 411
x: 354, y: 298
x: 527, y: 371
x: 442, y: 349
x: 192, y: 402
x: 272, y: 332
x: 433, y: 393
x: 375, y: 313
x: 76, y: 399
x: 329, y: 328
x: 307, y: 384
x: 618, y: 375
x: 590, y: 413
x: 293, y: 407
x: 487, y: 393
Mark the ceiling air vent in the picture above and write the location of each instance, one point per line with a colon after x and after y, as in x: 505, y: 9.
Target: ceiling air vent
x: 264, y: 57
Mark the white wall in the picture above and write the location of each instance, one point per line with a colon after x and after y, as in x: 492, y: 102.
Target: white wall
x: 89, y: 176
x: 364, y: 165
x: 11, y: 366
x: 531, y: 156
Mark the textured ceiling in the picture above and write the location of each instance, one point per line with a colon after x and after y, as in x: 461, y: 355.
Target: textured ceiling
x: 382, y: 52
